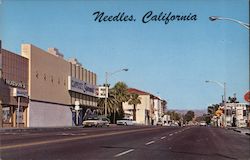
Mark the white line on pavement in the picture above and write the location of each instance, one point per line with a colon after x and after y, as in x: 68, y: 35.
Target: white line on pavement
x: 171, y: 134
x: 150, y: 142
x: 163, y: 137
x: 125, y: 152
x: 175, y: 132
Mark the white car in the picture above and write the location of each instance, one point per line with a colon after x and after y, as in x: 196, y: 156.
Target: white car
x: 96, y: 122
x: 125, y: 122
x: 203, y: 123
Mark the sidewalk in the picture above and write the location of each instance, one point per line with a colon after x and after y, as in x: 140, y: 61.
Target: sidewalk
x: 245, y: 131
x: 2, y: 130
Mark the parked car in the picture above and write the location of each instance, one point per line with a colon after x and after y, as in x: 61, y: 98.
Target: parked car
x: 159, y: 123
x: 125, y: 122
x: 174, y: 124
x: 96, y: 122
x: 166, y: 124
x: 203, y: 123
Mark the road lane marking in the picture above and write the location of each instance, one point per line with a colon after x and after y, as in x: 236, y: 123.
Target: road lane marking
x: 175, y: 132
x: 151, y: 142
x: 123, y: 153
x: 163, y: 137
x: 71, y: 134
x: 73, y: 138
x: 171, y: 134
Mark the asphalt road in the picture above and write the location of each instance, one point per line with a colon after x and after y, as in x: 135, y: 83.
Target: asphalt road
x: 123, y: 142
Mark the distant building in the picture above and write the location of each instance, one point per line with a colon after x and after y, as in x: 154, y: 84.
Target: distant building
x: 236, y: 114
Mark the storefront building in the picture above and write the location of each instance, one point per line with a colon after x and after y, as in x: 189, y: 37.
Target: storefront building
x: 82, y: 88
x: 55, y: 87
x: 13, y: 89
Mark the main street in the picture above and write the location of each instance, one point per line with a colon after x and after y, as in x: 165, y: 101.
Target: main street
x: 125, y: 142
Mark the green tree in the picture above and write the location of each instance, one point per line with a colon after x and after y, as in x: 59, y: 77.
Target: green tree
x: 121, y: 95
x: 212, y: 109
x: 174, y: 115
x: 134, y: 100
x: 189, y: 116
x: 111, y: 102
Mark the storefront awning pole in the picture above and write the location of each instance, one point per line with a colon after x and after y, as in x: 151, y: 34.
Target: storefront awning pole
x: 18, y: 107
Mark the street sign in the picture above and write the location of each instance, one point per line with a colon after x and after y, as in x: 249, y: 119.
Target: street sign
x: 247, y: 96
x: 77, y: 108
x: 102, y: 92
x: 77, y: 103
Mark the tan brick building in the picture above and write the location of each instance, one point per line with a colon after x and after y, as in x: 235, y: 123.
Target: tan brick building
x: 55, y: 84
x: 13, y: 84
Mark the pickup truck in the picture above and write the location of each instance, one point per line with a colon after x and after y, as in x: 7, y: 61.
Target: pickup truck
x: 125, y: 122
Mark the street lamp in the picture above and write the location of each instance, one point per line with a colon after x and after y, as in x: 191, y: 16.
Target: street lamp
x: 107, y: 74
x: 213, y: 18
x: 223, y: 85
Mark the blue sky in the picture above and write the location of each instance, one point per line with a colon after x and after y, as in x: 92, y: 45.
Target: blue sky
x: 169, y: 60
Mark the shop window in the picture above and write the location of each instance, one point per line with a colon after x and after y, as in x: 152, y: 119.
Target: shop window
x: 244, y: 113
x: 7, y: 115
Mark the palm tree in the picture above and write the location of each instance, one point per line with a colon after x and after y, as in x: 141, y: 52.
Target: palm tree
x: 121, y: 95
x: 111, y: 102
x: 134, y: 100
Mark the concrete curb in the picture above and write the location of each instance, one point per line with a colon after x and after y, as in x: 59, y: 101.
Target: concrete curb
x: 237, y: 130
x: 2, y: 130
x: 246, y: 131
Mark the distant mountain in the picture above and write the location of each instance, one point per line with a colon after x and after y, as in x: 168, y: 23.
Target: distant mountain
x: 198, y: 112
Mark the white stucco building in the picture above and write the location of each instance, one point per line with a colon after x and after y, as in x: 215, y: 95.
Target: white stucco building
x: 149, y: 112
x: 236, y: 114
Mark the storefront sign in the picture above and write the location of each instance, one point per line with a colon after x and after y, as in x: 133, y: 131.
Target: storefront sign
x: 15, y: 84
x: 17, y: 92
x: 79, y: 86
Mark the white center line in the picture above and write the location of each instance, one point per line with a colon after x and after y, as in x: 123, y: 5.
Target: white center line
x: 171, y: 134
x: 175, y: 132
x: 125, y: 152
x: 150, y: 142
x: 163, y: 137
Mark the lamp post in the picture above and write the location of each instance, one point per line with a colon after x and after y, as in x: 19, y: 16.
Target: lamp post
x: 107, y: 74
x: 223, y: 85
x: 213, y: 18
